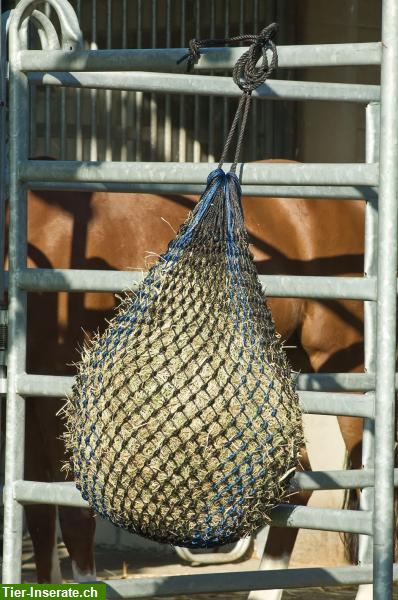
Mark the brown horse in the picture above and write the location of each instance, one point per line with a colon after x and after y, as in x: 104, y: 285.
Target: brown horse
x: 127, y: 231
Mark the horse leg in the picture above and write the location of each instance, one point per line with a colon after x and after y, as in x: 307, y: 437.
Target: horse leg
x: 41, y: 519
x: 78, y: 529
x: 77, y: 524
x: 280, y: 543
x: 339, y: 349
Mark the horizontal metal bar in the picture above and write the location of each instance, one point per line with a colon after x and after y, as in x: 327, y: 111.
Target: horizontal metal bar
x: 166, y: 59
x: 279, y: 191
x: 175, y: 585
x: 58, y: 386
x: 209, y: 85
x: 351, y: 405
x: 285, y: 515
x: 324, y: 519
x: 337, y: 382
x: 66, y: 493
x: 284, y: 286
x: 312, y: 402
x: 251, y: 173
x: 335, y: 480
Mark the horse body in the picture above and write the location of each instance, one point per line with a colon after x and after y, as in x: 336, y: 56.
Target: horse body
x: 128, y: 231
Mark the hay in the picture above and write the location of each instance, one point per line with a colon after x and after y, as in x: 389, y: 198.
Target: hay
x: 184, y: 420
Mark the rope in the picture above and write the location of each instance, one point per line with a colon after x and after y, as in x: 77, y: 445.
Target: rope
x: 245, y: 74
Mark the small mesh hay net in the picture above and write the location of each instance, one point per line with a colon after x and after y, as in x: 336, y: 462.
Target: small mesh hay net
x: 184, y: 423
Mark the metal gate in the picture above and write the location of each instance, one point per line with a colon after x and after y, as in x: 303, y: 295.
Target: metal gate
x: 78, y: 68
x: 91, y: 124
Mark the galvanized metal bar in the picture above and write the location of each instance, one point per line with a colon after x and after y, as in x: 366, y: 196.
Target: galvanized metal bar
x: 59, y: 386
x: 47, y: 125
x: 365, y: 551
x: 277, y: 286
x: 168, y: 128
x: 255, y: 151
x: 383, y: 549
x: 78, y: 107
x: 225, y: 99
x: 66, y: 494
x: 250, y: 173
x: 222, y: 59
x: 313, y: 402
x: 147, y: 587
x: 196, y: 116
x: 93, y: 92
x: 3, y: 150
x: 350, y: 405
x: 15, y: 420
x: 209, y: 85
x: 284, y: 515
x: 125, y: 97
x: 138, y: 95
x: 153, y: 102
x: 280, y: 191
x: 108, y: 92
x: 211, y: 124
x: 182, y: 132
x: 63, y: 124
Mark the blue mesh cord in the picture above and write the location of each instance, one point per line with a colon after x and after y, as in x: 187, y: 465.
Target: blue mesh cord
x: 217, y: 395
x: 184, y: 423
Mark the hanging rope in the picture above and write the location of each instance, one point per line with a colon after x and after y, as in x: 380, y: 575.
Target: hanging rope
x: 246, y: 74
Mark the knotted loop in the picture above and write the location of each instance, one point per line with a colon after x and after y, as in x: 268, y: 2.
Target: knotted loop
x: 246, y: 74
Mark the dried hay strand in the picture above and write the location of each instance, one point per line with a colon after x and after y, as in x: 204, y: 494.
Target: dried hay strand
x: 184, y: 421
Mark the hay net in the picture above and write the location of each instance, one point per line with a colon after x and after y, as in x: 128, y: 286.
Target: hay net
x: 184, y: 423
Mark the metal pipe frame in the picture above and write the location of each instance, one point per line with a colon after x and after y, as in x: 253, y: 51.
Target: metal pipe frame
x: 276, y: 286
x: 266, y: 191
x: 356, y: 174
x: 148, y: 587
x: 220, y: 59
x: 383, y: 548
x: 59, y: 385
x: 208, y: 85
x: 21, y: 279
x: 365, y: 549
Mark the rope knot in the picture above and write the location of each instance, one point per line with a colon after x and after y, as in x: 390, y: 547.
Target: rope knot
x: 246, y: 74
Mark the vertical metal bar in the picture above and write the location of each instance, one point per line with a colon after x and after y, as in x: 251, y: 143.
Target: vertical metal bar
x: 241, y: 17
x: 365, y: 554
x: 153, y: 103
x: 15, y: 425
x: 226, y: 100
x: 267, y: 108
x: 138, y: 95
x: 63, y: 127
x: 254, y: 112
x: 93, y: 92
x: 3, y: 150
x: 386, y: 308
x: 182, y: 132
x: 78, y: 107
x: 124, y: 96
x: 47, y: 112
x: 33, y: 120
x: 196, y: 141
x: 210, y: 153
x: 168, y: 129
x: 47, y: 138
x: 108, y: 93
